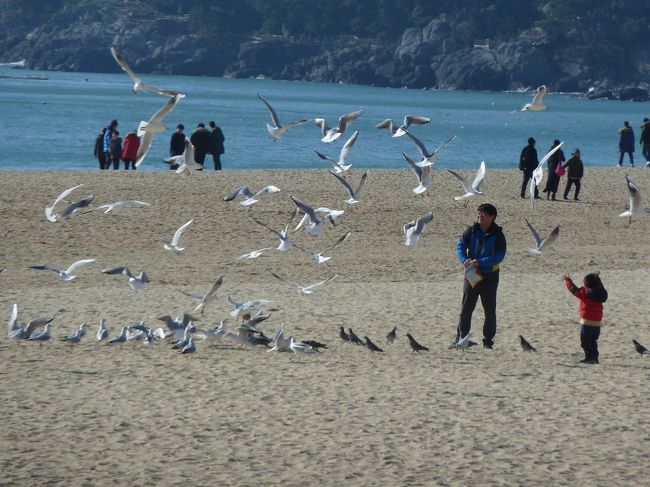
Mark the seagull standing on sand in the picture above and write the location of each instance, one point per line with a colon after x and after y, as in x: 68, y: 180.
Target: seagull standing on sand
x: 413, y: 229
x: 190, y: 347
x: 102, y: 331
x: 542, y: 244
x: 146, y: 130
x: 277, y: 130
x: 174, y: 244
x: 65, y: 275
x: 121, y: 338
x: 341, y: 165
x: 299, y: 348
x: 471, y: 190
x: 43, y: 336
x: 138, y: 84
x: 636, y: 201
x: 402, y: 129
x: 331, y: 134
x: 428, y: 158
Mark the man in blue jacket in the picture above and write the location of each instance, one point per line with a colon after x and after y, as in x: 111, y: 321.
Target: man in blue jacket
x: 480, y: 250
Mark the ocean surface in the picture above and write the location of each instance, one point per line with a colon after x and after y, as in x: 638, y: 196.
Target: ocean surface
x: 52, y: 123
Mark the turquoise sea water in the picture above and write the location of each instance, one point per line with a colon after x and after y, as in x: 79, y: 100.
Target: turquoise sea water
x: 52, y: 124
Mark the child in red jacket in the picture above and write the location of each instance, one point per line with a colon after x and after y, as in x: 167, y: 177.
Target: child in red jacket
x: 592, y: 296
x: 130, y: 152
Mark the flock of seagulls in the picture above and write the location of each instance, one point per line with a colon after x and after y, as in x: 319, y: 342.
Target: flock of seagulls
x: 183, y: 333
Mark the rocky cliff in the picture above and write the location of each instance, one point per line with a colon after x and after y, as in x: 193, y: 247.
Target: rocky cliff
x: 77, y: 37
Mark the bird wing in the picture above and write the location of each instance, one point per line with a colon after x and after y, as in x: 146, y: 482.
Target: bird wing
x: 322, y: 124
x: 217, y: 284
x: 319, y: 284
x: 344, y: 120
x: 361, y: 183
x: 13, y: 319
x: 282, y: 279
x: 341, y: 239
x: 308, y: 210
x: 241, y: 190
x: 550, y: 153
x: 179, y: 233
x: 267, y: 189
x: 346, y: 148
x: 118, y: 270
x: 344, y: 183
x: 145, y: 145
x: 64, y: 194
x: 548, y: 241
x: 636, y: 200
x: 445, y: 144
x: 195, y: 297
x: 466, y: 187
x: 414, y: 119
x: 274, y: 116
x: 417, y: 170
x: 272, y: 230
x: 539, y: 96
x: 44, y: 267
x: 165, y: 109
x: 422, y: 221
x: 536, y: 237
x: 386, y: 124
x: 76, y: 265
x: 324, y: 157
x: 124, y: 65
x: 419, y: 145
x: 480, y: 176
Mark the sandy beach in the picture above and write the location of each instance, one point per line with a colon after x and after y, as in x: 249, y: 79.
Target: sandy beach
x: 93, y: 414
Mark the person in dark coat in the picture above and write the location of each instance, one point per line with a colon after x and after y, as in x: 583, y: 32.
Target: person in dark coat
x: 553, y: 180
x: 201, y: 141
x: 116, y: 149
x: 575, y: 171
x: 626, y: 143
x: 644, y: 140
x: 177, y: 144
x: 216, y: 144
x: 528, y: 163
x: 99, y: 149
x: 108, y: 136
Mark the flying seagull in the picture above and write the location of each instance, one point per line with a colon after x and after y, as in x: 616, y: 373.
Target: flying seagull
x: 135, y: 282
x: 538, y: 174
x: 428, y: 158
x: 423, y: 175
x: 536, y: 105
x: 636, y: 201
x: 184, y: 161
x: 304, y: 289
x: 354, y: 193
x: 146, y: 130
x: 402, y: 129
x: 138, y: 84
x: 471, y: 190
x: 283, y: 235
x: 331, y: 134
x: 62, y: 209
x: 319, y: 257
x: 277, y: 130
x: 542, y: 244
x: 204, y: 300
x: 341, y: 165
x: 413, y: 229
x: 250, y: 198
x: 174, y: 244
x: 65, y: 275
x: 108, y: 207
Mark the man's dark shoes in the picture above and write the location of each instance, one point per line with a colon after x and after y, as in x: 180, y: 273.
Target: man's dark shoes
x: 488, y: 343
x: 589, y: 361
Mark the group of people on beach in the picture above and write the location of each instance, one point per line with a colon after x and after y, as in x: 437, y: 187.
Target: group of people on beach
x: 110, y: 148
x: 558, y: 166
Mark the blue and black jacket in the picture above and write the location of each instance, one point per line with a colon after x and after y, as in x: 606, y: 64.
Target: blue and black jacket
x: 489, y: 247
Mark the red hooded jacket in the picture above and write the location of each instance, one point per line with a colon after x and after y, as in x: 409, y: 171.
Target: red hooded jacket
x: 591, y: 302
x: 131, y: 146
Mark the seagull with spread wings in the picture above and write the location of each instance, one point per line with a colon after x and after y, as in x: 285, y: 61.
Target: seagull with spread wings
x: 319, y: 257
x: 341, y: 165
x: 204, y: 300
x: 277, y: 130
x: 537, y: 104
x: 428, y: 158
x: 138, y: 84
x: 636, y: 201
x: 309, y: 289
x: 135, y: 282
x: 64, y: 275
x: 413, y: 229
x: 174, y: 244
x: 542, y: 244
x: 402, y: 129
x: 331, y: 134
x: 471, y: 190
x: 354, y: 193
x: 423, y: 175
x: 146, y: 130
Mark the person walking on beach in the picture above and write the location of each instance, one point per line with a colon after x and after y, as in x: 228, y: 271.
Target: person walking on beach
x: 99, y: 149
x: 108, y: 135
x: 130, y: 151
x: 626, y: 143
x: 528, y: 163
x: 216, y: 144
x: 575, y: 171
x: 116, y: 149
x: 553, y: 180
x: 201, y: 141
x: 177, y: 144
x: 644, y: 140
x: 592, y: 295
x: 481, y: 249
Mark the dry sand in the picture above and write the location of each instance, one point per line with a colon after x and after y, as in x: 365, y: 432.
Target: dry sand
x: 95, y: 415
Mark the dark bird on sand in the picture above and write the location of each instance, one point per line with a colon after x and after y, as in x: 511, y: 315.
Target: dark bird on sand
x: 640, y: 348
x: 315, y: 344
x: 525, y: 346
x: 354, y: 338
x: 343, y: 335
x: 392, y: 335
x: 415, y: 346
x: 371, y: 346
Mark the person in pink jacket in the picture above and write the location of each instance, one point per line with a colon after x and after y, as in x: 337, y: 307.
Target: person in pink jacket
x: 130, y: 150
